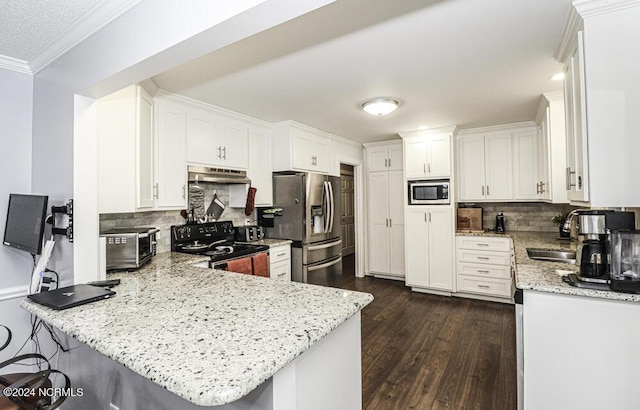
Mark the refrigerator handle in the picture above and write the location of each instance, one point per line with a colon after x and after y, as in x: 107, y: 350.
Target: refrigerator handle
x: 331, y: 207
x: 325, y: 207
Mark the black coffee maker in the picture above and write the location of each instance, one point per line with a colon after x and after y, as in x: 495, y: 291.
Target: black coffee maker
x: 592, y: 252
x: 499, y: 223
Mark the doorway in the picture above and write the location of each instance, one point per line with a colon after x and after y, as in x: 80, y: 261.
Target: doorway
x: 347, y: 199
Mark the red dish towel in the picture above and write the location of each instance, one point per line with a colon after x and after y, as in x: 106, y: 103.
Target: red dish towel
x: 261, y: 265
x: 240, y: 265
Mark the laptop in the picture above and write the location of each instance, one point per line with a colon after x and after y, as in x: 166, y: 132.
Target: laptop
x: 71, y: 296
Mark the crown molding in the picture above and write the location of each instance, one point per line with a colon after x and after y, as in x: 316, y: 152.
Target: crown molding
x: 498, y: 128
x: 346, y: 141
x: 83, y: 27
x: 13, y: 64
x: 450, y: 129
x: 572, y: 26
x: 590, y: 8
x: 382, y: 143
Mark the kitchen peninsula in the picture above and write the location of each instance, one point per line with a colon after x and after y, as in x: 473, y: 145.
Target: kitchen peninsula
x: 580, y: 345
x: 214, y: 338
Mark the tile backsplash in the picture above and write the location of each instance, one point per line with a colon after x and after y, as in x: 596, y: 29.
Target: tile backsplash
x: 523, y: 216
x: 165, y: 219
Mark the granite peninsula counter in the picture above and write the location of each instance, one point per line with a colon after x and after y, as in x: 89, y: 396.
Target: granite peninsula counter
x: 208, y: 336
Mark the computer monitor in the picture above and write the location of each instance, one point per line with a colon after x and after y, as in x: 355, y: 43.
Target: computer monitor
x: 25, y: 222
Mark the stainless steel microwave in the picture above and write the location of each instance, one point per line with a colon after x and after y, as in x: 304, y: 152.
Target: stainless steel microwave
x: 435, y: 192
x: 130, y: 248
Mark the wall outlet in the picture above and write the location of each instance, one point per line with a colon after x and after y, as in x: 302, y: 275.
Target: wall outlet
x: 113, y: 407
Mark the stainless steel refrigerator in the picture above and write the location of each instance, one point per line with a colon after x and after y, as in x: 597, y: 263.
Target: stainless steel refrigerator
x: 310, y: 217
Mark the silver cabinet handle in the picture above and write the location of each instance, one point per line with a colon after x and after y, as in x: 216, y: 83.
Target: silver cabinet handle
x: 482, y: 271
x: 537, y: 187
x: 389, y: 162
x: 424, y: 168
x: 569, y: 184
x: 484, y: 286
x: 385, y: 163
x: 390, y: 222
x: 484, y: 258
x: 281, y: 274
x: 429, y: 167
x: 487, y: 190
x: 542, y: 189
x: 281, y: 254
x: 224, y: 152
x: 219, y: 152
x: 429, y: 216
x: 482, y: 190
x: 386, y: 222
x: 425, y: 217
x: 482, y: 244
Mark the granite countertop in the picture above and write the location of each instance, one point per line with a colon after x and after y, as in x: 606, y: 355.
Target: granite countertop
x: 541, y: 276
x: 270, y: 242
x: 206, y: 335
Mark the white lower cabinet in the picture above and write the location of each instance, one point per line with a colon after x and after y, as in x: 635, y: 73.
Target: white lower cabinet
x: 484, y: 266
x: 429, y: 247
x: 280, y: 262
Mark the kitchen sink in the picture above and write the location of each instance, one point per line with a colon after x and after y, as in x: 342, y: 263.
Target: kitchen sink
x: 552, y: 255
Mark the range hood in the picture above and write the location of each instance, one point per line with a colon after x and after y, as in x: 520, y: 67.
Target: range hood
x: 217, y: 175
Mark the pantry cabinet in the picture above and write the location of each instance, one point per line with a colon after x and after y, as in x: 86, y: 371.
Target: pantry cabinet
x: 429, y: 247
x: 125, y: 151
x: 300, y: 148
x: 385, y: 193
x: 428, y: 153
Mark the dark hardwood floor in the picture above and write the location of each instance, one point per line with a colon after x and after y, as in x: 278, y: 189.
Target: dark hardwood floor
x: 423, y: 351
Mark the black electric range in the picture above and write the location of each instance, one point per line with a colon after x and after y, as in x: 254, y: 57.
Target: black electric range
x: 213, y: 239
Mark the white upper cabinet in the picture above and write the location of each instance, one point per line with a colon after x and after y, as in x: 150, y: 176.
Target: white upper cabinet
x: 551, y: 184
x: 259, y: 171
x: 577, y: 172
x: 125, y: 151
x: 387, y: 157
x: 428, y: 153
x: 498, y: 167
x: 298, y: 147
x: 216, y: 141
x: 171, y: 164
x: 525, y: 165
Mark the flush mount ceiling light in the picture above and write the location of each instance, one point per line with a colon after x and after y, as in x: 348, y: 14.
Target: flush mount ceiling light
x: 380, y: 106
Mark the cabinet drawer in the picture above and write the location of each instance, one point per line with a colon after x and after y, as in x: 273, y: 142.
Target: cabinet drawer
x: 485, y: 271
x: 484, y: 243
x: 491, y: 287
x: 280, y: 270
x: 280, y: 253
x: 492, y: 258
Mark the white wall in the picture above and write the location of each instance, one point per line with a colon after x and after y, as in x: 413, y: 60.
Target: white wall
x: 15, y: 177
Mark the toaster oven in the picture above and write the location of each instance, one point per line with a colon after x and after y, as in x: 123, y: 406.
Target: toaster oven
x: 129, y: 248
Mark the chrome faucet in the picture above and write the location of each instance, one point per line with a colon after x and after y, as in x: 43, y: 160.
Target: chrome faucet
x: 566, y: 227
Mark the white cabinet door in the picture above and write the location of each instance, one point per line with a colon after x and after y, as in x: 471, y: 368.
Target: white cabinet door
x: 440, y: 248
x: 417, y: 247
x: 171, y: 141
x: 396, y: 193
x: 416, y: 158
x: 543, y: 184
x: 439, y: 164
x: 575, y: 100
x: 395, y: 158
x: 471, y: 167
x: 260, y: 166
x: 203, y: 143
x: 525, y: 166
x: 377, y: 159
x: 498, y: 167
x: 144, y: 146
x: 379, y: 239
x: 235, y: 146
x: 310, y: 152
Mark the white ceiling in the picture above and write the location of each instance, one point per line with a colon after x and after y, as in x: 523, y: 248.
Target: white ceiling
x: 449, y: 62
x: 35, y: 32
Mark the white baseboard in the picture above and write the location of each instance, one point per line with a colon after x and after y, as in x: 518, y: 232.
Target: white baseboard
x: 13, y: 293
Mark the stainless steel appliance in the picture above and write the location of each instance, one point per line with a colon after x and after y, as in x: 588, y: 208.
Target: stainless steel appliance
x: 429, y: 192
x: 625, y: 261
x: 249, y: 233
x: 499, y: 228
x: 213, y: 239
x: 309, y: 215
x: 129, y: 248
